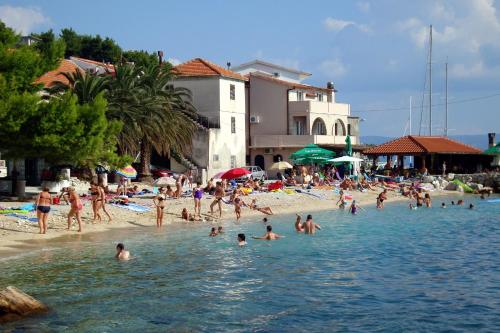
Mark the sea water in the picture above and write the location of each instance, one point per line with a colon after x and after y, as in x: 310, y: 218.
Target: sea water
x: 389, y: 270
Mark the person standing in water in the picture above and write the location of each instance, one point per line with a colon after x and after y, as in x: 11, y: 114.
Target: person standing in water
x: 381, y: 198
x: 354, y: 208
x: 341, y: 201
x: 242, y: 240
x: 160, y: 203
x: 298, y: 224
x: 76, y: 209
x: 309, y: 226
x: 121, y: 253
x: 43, y: 208
x: 270, y: 235
x: 427, y: 200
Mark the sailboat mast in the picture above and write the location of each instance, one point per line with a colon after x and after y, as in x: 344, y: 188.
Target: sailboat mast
x: 446, y: 101
x: 430, y: 80
x: 410, y: 112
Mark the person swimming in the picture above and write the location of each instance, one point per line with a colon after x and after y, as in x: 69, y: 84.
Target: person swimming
x: 443, y: 205
x: 213, y: 232
x: 471, y: 206
x: 460, y: 202
x: 121, y: 253
x: 270, y: 235
x: 242, y: 240
x: 220, y: 230
x: 264, y: 220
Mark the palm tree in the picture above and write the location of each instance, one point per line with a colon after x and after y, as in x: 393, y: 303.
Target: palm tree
x: 84, y: 85
x: 168, y: 111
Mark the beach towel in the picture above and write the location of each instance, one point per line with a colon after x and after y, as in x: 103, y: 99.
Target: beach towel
x: 275, y: 186
x: 134, y: 207
x: 23, y: 217
x: 29, y: 207
x: 14, y: 211
x: 309, y: 193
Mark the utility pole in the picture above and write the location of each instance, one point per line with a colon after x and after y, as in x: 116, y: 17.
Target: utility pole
x: 410, y: 112
x: 430, y: 80
x: 446, y: 101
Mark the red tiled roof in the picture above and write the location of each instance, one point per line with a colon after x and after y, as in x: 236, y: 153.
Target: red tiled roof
x: 200, y: 67
x: 47, y: 79
x: 422, y: 145
x: 289, y: 84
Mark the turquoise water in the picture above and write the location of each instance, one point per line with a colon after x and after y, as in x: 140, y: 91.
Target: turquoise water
x: 389, y: 271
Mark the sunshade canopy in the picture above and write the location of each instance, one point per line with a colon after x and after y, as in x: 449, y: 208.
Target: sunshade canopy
x: 312, y: 152
x: 127, y: 172
x: 494, y: 150
x: 345, y: 159
x: 281, y: 165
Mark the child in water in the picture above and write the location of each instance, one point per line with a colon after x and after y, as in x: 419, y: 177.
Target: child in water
x: 213, y: 232
x: 354, y: 208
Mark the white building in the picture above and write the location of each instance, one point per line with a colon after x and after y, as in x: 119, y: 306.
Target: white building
x: 285, y: 115
x: 219, y: 96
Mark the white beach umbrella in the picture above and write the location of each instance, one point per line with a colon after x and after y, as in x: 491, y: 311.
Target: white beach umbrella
x: 346, y: 159
x: 164, y: 181
x: 281, y: 165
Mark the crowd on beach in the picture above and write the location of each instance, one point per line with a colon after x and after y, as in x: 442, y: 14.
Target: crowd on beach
x: 228, y: 192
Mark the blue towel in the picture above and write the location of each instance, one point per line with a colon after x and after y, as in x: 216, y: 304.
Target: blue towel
x: 23, y: 217
x: 29, y: 207
x: 133, y: 207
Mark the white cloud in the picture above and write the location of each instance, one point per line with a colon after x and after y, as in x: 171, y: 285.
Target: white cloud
x: 334, y: 68
x: 337, y: 25
x: 363, y: 6
x: 22, y: 19
x: 462, y: 31
x: 174, y: 61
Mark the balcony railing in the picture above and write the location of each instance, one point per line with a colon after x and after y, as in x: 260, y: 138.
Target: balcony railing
x: 284, y: 141
x: 303, y: 107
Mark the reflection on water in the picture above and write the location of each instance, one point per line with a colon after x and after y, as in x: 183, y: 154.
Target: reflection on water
x: 393, y: 270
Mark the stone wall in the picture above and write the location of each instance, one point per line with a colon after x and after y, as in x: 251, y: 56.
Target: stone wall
x: 491, y: 179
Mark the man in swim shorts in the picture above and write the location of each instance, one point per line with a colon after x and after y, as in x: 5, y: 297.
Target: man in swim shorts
x: 270, y: 235
x: 309, y: 226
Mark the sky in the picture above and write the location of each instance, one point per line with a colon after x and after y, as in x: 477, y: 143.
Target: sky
x: 375, y: 52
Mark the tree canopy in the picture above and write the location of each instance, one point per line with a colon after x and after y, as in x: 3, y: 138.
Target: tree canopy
x: 90, y: 47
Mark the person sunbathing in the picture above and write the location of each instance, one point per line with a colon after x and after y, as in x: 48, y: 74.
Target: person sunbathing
x: 265, y: 210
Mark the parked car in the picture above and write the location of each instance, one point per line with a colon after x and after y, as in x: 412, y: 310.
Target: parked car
x: 256, y: 172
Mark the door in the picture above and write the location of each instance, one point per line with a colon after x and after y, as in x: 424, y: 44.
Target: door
x: 259, y: 161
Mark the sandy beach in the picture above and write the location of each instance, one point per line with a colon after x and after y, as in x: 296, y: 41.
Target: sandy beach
x: 17, y: 234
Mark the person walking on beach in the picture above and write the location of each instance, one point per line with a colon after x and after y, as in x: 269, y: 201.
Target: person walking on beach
x: 76, y: 209
x: 298, y: 224
x: 121, y: 253
x: 160, y: 203
x: 270, y: 235
x: 309, y: 226
x: 95, y: 199
x: 42, y: 209
x: 102, y: 203
x: 219, y: 194
x: 197, y: 195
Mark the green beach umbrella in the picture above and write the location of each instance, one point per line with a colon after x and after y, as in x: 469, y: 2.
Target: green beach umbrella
x: 312, y: 153
x: 494, y: 150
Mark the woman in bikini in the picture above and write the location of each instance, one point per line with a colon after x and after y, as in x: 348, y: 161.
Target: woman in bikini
x: 341, y: 201
x: 102, y: 203
x: 160, y: 202
x: 42, y: 209
x: 298, y: 224
x: 95, y: 199
x: 76, y: 208
x: 427, y: 200
x: 265, y: 210
x: 219, y: 194
x: 197, y: 195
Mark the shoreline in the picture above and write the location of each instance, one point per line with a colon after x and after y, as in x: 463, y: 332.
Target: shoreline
x: 17, y: 239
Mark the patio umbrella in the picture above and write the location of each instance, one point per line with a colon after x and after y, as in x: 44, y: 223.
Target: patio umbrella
x: 127, y: 172
x: 164, y: 181
x: 281, y: 165
x: 345, y: 159
x: 494, y: 150
x: 312, y: 152
x: 235, y: 173
x: 219, y: 175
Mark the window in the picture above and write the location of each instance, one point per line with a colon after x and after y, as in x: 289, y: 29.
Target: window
x: 215, y: 158
x: 320, y: 97
x: 232, y: 92
x: 233, y: 125
x: 299, y: 127
x: 233, y: 161
x: 339, y: 128
x: 319, y: 127
x: 300, y: 96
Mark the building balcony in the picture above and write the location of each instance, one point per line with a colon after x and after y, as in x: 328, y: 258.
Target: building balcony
x: 302, y: 108
x: 297, y: 141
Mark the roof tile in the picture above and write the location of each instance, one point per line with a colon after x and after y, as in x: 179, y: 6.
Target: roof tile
x: 422, y: 145
x: 200, y: 67
x: 47, y: 79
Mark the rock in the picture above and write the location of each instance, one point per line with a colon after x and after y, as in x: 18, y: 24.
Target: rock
x: 14, y: 305
x: 451, y: 187
x: 450, y: 176
x: 444, y: 183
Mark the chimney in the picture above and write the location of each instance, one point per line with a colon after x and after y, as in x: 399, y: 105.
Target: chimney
x: 228, y: 65
x: 491, y: 140
x: 160, y: 57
